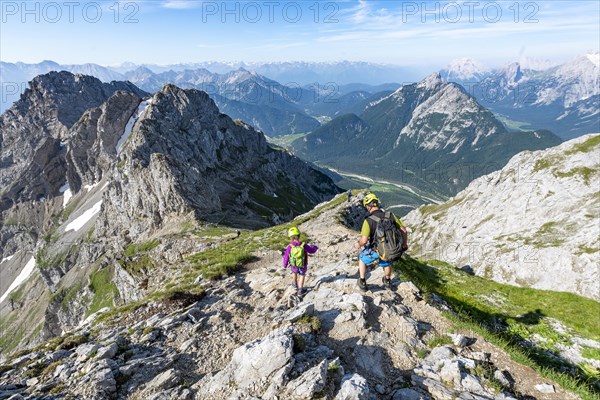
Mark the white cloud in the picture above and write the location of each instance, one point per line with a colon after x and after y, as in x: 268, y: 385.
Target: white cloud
x: 181, y: 4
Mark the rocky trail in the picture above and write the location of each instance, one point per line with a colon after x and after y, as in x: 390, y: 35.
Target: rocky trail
x: 239, y: 340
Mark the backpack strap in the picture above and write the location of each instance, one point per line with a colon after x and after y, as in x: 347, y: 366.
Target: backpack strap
x: 374, y: 218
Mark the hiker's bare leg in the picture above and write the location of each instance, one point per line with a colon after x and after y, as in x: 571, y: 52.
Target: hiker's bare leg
x: 362, y: 269
x: 387, y: 272
x: 295, y: 279
x: 300, y: 281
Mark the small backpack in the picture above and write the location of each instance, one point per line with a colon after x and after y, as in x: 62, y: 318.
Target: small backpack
x: 388, y: 238
x: 297, y: 255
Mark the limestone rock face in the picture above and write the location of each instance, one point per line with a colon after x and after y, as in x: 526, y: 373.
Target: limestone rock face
x: 534, y: 223
x: 184, y: 156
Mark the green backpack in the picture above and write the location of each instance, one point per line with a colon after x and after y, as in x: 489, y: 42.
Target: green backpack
x: 297, y: 256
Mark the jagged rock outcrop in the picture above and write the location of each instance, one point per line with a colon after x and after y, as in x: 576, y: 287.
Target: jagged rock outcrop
x: 92, y: 148
x: 534, y: 223
x: 35, y: 131
x: 184, y: 156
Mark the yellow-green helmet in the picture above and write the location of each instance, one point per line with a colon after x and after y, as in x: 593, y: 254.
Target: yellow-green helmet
x: 293, y: 231
x: 369, y: 198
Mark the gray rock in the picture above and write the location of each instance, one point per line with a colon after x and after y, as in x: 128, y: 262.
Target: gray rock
x: 460, y: 340
x: 545, y: 388
x: 451, y: 373
x: 371, y: 360
x: 435, y: 388
x: 472, y: 396
x: 256, y: 364
x: 409, y: 394
x: 354, y: 387
x: 107, y: 352
x: 438, y: 355
x: 310, y: 382
x: 296, y: 313
x: 471, y: 383
x: 105, y: 380
x: 163, y: 381
x: 32, y: 382
x: 500, y: 376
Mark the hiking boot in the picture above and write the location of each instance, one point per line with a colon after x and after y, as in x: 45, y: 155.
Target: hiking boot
x: 362, y: 284
x: 295, y: 285
x: 387, y: 282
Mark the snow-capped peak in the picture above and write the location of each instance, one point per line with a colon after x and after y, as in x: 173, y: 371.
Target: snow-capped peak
x: 465, y: 68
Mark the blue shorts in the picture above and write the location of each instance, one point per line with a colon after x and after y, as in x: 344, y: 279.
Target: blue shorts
x: 369, y: 257
x: 299, y: 271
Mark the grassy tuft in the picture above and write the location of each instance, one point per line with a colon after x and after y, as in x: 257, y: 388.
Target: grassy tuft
x: 135, y: 249
x: 439, y: 340
x: 104, y: 289
x: 585, y: 147
x: 511, y: 316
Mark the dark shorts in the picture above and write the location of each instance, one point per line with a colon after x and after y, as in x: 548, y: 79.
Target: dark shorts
x: 299, y: 271
x: 369, y: 257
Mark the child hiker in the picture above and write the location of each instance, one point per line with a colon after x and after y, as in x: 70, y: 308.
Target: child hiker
x: 296, y: 257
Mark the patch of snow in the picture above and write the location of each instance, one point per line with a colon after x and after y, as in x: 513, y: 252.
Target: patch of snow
x: 66, y: 191
x: 90, y: 187
x: 80, y: 221
x: 7, y: 258
x: 594, y: 58
x: 27, y: 270
x: 67, y: 196
x: 129, y: 127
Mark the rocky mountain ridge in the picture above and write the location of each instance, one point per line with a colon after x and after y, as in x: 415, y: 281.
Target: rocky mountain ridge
x: 533, y: 223
x: 239, y: 337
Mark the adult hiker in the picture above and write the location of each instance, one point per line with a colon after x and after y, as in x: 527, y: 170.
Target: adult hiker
x: 383, y: 239
x: 296, y: 257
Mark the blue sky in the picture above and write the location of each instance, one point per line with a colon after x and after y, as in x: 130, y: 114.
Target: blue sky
x: 412, y: 33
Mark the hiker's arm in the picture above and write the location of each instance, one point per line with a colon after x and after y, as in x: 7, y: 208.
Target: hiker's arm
x: 404, y: 237
x: 362, y: 242
x: 310, y: 249
x: 365, y: 232
x: 286, y: 257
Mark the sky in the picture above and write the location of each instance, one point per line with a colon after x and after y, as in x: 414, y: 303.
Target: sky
x: 409, y: 33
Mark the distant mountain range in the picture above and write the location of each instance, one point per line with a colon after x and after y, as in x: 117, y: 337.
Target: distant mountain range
x: 294, y: 97
x: 268, y: 105
x: 432, y: 134
x: 563, y: 98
